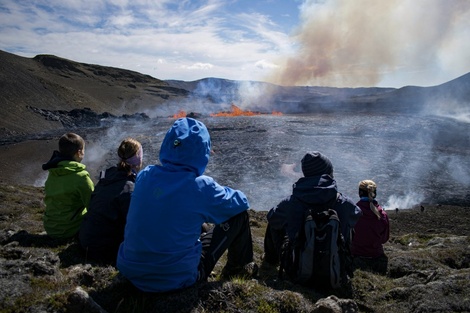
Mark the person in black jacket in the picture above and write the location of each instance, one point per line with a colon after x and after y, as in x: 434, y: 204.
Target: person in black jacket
x: 102, y: 229
x: 316, y: 188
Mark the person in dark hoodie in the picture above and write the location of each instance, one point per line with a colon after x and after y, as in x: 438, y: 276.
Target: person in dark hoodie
x: 317, y: 187
x: 163, y: 248
x: 102, y: 228
x: 67, y: 189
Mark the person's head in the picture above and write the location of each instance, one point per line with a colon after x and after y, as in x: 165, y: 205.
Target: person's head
x: 130, y: 155
x: 72, y: 146
x: 316, y: 164
x: 186, y: 145
x: 368, y: 189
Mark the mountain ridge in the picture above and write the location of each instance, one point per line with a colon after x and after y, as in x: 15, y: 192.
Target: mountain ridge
x: 48, y: 82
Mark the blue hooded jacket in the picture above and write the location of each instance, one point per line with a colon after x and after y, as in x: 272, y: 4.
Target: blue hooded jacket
x: 161, y: 249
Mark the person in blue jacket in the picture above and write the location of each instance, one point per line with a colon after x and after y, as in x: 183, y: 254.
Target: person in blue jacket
x: 163, y: 249
x: 317, y: 187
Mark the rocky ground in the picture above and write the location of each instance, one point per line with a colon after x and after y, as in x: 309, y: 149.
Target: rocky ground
x: 429, y: 271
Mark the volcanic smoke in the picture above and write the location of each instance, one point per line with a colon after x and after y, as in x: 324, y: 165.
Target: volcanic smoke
x: 346, y: 43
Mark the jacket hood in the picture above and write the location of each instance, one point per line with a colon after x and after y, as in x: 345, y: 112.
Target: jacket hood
x: 186, y: 146
x: 316, y: 190
x: 54, y: 160
x: 67, y: 167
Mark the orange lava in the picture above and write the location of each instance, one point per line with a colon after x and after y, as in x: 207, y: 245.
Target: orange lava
x: 179, y: 114
x: 236, y: 111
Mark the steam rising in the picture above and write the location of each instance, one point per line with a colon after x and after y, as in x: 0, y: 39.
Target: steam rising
x: 403, y: 202
x: 353, y: 43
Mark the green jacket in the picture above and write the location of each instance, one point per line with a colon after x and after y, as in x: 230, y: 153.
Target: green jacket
x: 68, y: 189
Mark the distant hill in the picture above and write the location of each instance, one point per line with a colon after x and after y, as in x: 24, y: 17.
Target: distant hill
x: 47, y: 82
x: 52, y: 83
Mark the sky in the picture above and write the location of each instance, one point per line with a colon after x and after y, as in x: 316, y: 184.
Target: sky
x: 339, y: 43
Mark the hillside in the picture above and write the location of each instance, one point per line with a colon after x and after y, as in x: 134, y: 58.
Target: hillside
x: 47, y: 83
x: 51, y: 83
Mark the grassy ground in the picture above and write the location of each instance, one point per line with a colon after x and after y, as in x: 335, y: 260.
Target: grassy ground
x: 428, y: 271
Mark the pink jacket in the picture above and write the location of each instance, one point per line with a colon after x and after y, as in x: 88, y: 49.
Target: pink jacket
x: 370, y: 232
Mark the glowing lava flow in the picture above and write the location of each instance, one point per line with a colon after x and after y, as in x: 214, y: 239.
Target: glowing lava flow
x: 236, y: 111
x: 179, y: 114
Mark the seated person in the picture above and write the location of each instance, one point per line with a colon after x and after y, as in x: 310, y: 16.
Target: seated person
x: 371, y: 231
x: 163, y: 248
x: 67, y: 189
x: 317, y: 187
x: 102, y: 229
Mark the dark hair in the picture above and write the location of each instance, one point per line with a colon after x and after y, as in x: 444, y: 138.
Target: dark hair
x: 70, y: 143
x: 127, y: 149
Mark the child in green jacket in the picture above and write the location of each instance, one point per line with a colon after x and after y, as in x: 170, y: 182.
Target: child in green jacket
x: 68, y: 188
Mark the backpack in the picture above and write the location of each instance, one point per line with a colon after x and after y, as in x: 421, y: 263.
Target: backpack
x: 318, y: 256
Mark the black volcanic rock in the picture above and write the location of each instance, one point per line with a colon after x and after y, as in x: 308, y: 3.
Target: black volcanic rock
x: 85, y: 117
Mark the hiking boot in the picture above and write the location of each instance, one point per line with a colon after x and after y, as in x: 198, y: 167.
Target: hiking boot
x: 270, y: 259
x: 249, y: 270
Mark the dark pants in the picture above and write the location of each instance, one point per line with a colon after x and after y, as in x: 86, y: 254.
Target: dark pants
x: 273, y: 240
x: 104, y: 255
x: 234, y: 235
x: 378, y: 265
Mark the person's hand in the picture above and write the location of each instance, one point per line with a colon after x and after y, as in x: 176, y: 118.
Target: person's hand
x: 128, y: 187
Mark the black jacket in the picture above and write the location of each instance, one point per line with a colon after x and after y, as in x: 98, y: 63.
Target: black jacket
x: 317, y: 190
x: 102, y: 229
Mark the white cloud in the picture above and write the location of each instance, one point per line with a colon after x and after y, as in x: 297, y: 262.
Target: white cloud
x: 189, y: 40
x: 125, y: 33
x: 200, y: 66
x: 263, y: 64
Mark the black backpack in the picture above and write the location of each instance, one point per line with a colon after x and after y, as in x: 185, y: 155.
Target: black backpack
x: 318, y: 256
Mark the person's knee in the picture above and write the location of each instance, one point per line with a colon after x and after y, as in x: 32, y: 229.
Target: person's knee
x: 239, y: 219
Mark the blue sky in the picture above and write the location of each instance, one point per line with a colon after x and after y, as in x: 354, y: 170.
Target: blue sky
x: 298, y: 42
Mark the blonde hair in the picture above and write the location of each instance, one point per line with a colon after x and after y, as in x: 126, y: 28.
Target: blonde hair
x: 127, y: 149
x: 369, y: 188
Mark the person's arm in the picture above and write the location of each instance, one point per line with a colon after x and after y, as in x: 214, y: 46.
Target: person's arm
x: 86, y: 188
x: 277, y: 216
x: 386, y: 226
x: 121, y: 203
x: 221, y: 202
x: 349, y: 213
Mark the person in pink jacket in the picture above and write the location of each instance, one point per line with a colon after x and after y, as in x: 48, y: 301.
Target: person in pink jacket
x: 371, y: 231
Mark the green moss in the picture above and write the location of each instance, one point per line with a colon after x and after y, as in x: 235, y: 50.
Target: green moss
x: 414, y: 239
x: 289, y: 302
x: 58, y: 302
x: 266, y: 307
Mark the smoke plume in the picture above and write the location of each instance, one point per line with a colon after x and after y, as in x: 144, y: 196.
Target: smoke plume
x: 353, y: 43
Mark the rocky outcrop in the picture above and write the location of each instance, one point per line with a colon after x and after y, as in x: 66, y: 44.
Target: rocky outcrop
x: 428, y: 271
x: 85, y: 117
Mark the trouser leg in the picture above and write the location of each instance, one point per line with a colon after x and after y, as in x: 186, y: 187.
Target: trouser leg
x: 234, y: 235
x: 272, y: 244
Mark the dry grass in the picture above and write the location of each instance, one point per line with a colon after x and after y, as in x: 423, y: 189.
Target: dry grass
x: 423, y: 265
